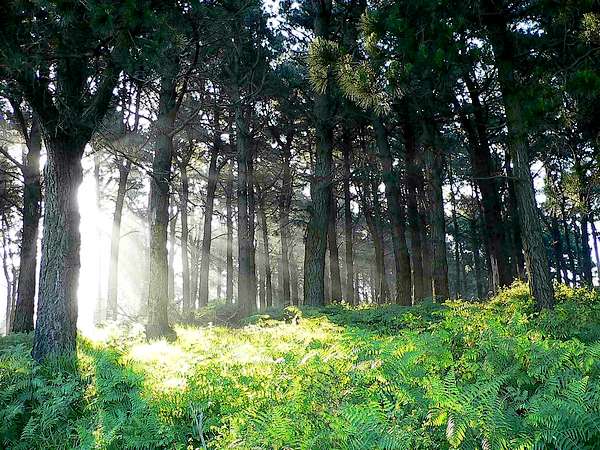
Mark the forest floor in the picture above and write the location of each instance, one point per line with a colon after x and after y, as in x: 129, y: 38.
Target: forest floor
x: 460, y: 375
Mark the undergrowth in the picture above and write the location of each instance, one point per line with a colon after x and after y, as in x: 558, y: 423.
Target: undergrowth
x: 494, y: 375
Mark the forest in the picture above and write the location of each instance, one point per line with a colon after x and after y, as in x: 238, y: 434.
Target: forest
x: 300, y: 224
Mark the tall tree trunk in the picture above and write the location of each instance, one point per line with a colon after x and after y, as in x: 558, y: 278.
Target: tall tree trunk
x: 412, y: 181
x: 158, y: 295
x: 558, y: 250
x: 56, y: 327
x: 213, y: 175
x: 5, y: 259
x: 577, y: 240
x: 475, y: 244
x: 348, y: 238
x: 514, y: 229
x: 194, y: 272
x: 334, y: 260
x: 124, y: 167
x: 219, y: 277
x: 382, y: 286
x: 285, y: 200
x: 260, y: 279
x: 284, y: 219
x: 294, y: 280
x: 438, y: 228
x: 184, y: 195
x: 426, y: 243
x: 536, y: 259
x: 320, y: 185
x: 586, y: 257
x: 99, y: 307
x: 567, y: 233
x: 397, y: 215
x: 262, y: 217
x: 32, y: 200
x: 456, y: 236
x: 485, y: 177
x: 252, y: 224
x: 229, y: 249
x: 595, y: 240
x: 115, y: 240
x: 372, y: 214
x: 246, y: 274
x: 171, y: 258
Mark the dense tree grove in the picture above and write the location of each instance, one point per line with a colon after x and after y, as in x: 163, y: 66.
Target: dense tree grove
x: 296, y: 153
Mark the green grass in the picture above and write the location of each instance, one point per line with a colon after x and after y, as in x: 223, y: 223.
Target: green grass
x: 463, y: 375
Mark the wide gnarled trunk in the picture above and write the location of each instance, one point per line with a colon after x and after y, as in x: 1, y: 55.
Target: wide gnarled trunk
x: 56, y: 328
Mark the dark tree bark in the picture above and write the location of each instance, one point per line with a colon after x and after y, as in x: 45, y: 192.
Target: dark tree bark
x: 569, y: 247
x: 124, y: 167
x: 348, y: 237
x: 536, y: 259
x: 558, y: 250
x: 334, y: 260
x: 514, y: 229
x: 99, y: 311
x: 229, y: 223
x: 372, y: 212
x: 595, y: 240
x: 260, y: 279
x: 32, y: 199
x: 475, y: 248
x: 284, y: 224
x: 213, y: 175
x: 158, y: 295
x: 6, y: 257
x: 485, y: 176
x: 456, y: 236
x: 426, y: 242
x: 171, y: 258
x: 585, y: 255
x: 438, y: 229
x: 246, y: 274
x: 397, y: 215
x: 56, y: 327
x: 320, y: 185
x: 252, y: 224
x: 262, y: 217
x: 194, y: 272
x: 219, y: 278
x: 184, y: 196
x: 412, y: 182
x: 294, y: 280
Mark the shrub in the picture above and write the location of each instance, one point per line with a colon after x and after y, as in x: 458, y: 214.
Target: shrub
x: 468, y: 375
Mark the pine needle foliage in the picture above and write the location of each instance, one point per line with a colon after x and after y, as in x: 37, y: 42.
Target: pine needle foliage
x: 494, y: 375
